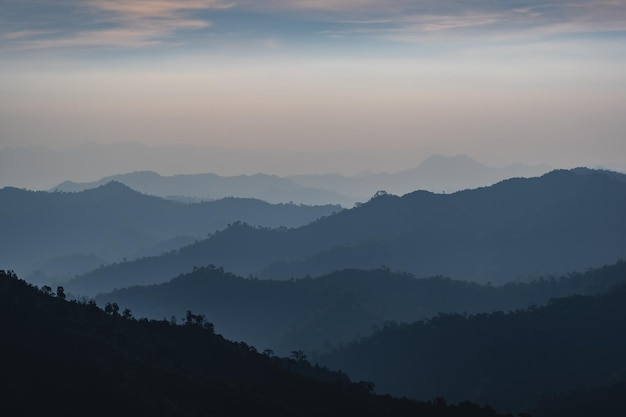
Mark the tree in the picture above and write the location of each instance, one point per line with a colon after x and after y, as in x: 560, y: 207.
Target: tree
x: 112, y: 309
x: 198, y: 320
x: 209, y: 326
x: 127, y: 314
x: 366, y: 386
x: 61, y: 292
x: 298, y: 355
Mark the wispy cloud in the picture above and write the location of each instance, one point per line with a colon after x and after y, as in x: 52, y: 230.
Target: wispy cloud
x: 440, y: 19
x: 168, y: 9
x: 122, y: 23
x: 23, y: 34
x: 441, y: 7
x: 139, y: 23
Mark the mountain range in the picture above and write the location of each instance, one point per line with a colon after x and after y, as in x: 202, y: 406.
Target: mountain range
x: 270, y: 188
x: 42, y: 168
x: 62, y: 234
x: 70, y: 359
x: 529, y: 360
x: 498, y: 320
x: 316, y: 314
x: 563, y: 221
x: 437, y: 173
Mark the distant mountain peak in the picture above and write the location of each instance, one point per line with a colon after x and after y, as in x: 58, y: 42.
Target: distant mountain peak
x: 68, y: 187
x: 114, y: 186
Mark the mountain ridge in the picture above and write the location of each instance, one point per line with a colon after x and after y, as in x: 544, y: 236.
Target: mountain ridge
x: 516, y: 360
x: 71, y: 358
x: 560, y: 222
x: 113, y: 222
x: 436, y: 173
x: 209, y: 186
x: 313, y: 314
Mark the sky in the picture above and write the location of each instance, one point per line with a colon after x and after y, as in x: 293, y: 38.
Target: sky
x: 502, y: 81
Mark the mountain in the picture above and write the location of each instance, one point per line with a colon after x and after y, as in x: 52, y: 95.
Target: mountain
x: 559, y: 222
x: 515, y: 361
x: 437, y: 173
x: 317, y: 313
x: 72, y: 359
x: 41, y: 168
x: 66, y: 233
x: 270, y: 188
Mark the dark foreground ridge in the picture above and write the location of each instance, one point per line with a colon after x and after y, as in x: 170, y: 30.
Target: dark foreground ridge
x: 71, y: 358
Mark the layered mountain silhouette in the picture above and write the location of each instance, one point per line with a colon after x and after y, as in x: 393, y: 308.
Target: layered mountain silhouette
x: 95, y: 161
x: 559, y: 222
x: 270, y: 188
x: 319, y: 313
x: 437, y: 173
x: 71, y: 359
x: 66, y: 233
x: 534, y: 359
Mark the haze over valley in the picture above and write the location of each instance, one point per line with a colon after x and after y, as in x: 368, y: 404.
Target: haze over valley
x: 313, y: 208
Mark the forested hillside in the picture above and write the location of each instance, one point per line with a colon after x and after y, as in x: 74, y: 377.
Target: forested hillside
x: 315, y: 314
x: 62, y: 234
x: 519, y: 228
x: 72, y: 359
x: 516, y: 361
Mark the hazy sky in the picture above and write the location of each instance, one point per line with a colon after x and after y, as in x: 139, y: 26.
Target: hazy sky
x: 503, y: 81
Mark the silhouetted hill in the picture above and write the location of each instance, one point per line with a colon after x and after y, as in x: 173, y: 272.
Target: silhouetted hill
x: 510, y: 360
x: 270, y: 188
x: 604, y: 400
x: 93, y: 161
x: 436, y: 173
x: 563, y: 221
x: 318, y: 313
x: 67, y: 233
x: 72, y: 359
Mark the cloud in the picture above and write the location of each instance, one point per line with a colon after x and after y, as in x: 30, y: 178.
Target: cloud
x: 128, y: 24
x: 422, y: 17
x: 155, y: 8
x: 118, y: 37
x: 326, y: 5
x: 428, y: 20
x: 23, y: 34
x: 139, y: 23
x: 437, y: 23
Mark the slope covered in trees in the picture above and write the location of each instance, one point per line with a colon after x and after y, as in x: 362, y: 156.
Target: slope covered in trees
x: 318, y: 313
x: 72, y: 359
x: 516, y: 361
x: 560, y: 222
x: 66, y: 233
